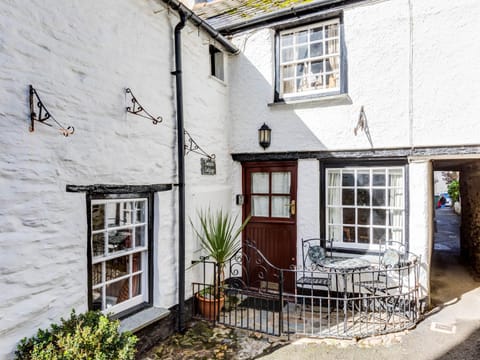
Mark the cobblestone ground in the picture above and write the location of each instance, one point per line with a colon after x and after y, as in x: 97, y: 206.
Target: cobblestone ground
x: 202, y: 341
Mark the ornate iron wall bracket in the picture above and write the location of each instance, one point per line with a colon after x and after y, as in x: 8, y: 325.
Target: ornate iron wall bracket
x: 192, y: 146
x: 44, y: 115
x: 138, y: 109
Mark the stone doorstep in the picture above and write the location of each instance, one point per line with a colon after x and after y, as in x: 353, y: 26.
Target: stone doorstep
x: 142, y: 319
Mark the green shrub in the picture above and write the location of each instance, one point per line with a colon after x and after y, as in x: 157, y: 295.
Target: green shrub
x: 454, y: 190
x: 86, y: 336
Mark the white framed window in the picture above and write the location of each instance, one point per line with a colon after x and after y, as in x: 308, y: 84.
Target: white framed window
x: 310, y: 59
x: 365, y: 207
x: 119, y: 253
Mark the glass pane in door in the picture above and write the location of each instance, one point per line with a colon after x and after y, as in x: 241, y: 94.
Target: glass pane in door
x: 281, y: 182
x: 259, y: 205
x: 281, y: 206
x: 260, y: 183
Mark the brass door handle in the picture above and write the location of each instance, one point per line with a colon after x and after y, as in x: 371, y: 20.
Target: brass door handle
x: 292, y: 207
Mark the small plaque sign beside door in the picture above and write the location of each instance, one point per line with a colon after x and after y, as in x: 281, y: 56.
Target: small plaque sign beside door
x: 208, y: 166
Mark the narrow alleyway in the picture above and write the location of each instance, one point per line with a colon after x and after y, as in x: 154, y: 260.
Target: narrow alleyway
x: 450, y: 277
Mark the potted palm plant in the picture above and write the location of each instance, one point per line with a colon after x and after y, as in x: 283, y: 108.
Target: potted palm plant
x: 219, y: 238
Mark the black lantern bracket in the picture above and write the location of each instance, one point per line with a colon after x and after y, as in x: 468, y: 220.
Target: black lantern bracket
x: 192, y: 146
x: 44, y: 115
x: 139, y: 110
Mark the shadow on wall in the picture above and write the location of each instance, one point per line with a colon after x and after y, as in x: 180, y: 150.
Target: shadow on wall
x: 295, y: 126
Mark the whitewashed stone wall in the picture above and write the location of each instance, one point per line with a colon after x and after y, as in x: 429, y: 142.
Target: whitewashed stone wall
x: 411, y: 64
x: 81, y: 55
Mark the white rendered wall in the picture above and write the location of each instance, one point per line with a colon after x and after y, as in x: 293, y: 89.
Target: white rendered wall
x: 81, y: 55
x: 421, y: 218
x: 414, y: 70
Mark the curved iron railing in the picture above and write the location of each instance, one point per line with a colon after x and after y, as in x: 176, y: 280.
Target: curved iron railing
x: 315, y: 301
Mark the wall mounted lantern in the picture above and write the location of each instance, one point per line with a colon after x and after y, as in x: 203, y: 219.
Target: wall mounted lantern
x: 264, y: 136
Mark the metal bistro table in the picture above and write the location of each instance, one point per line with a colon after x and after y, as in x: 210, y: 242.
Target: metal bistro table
x: 344, y: 267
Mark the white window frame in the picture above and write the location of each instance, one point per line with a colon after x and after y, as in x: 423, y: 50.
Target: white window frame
x: 389, y: 208
x: 102, y: 259
x: 309, y: 78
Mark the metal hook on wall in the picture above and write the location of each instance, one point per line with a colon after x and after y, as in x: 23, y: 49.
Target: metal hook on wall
x: 192, y: 146
x: 138, y: 109
x: 44, y: 115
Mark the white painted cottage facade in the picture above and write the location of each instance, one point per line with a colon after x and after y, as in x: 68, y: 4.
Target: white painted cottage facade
x: 410, y: 64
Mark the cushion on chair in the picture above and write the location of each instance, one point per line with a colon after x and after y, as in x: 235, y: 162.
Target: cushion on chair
x: 316, y: 253
x: 391, y: 258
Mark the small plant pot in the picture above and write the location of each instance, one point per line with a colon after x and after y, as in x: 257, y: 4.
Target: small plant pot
x: 209, y: 308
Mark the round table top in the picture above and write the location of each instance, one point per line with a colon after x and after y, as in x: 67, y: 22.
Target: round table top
x: 343, y: 263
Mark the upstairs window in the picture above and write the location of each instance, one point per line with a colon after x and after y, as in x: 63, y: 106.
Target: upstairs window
x: 216, y: 63
x: 310, y: 59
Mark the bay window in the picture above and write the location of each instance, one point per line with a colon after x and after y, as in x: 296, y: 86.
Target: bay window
x: 365, y: 207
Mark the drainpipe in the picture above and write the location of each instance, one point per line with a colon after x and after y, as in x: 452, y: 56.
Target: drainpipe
x: 181, y: 172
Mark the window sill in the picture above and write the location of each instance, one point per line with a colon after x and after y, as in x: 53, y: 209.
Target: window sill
x: 218, y: 80
x: 326, y: 100
x: 142, y: 319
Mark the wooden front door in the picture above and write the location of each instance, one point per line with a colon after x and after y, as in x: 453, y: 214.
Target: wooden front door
x: 270, y: 190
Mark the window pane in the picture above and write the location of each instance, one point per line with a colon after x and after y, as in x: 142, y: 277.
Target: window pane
x: 281, y: 183
x: 395, y: 235
x: 364, y: 216
x: 332, y: 81
x: 379, y: 236
x: 302, y: 52
x: 395, y: 218
x: 316, y: 49
x: 363, y: 197
x: 317, y: 67
x: 331, y: 64
x: 218, y: 61
x: 97, y: 299
x: 289, y: 86
x: 335, y: 233
x: 364, y: 235
x: 136, y: 262
x: 334, y: 178
x: 119, y: 213
x: 333, y: 196
x: 98, y: 217
x: 117, y: 292
x: 259, y: 205
x: 316, y: 34
x: 331, y: 47
x: 287, y: 55
x: 136, y: 285
x: 260, y: 183
x: 349, y: 234
x: 395, y: 198
x: 301, y: 70
x: 98, y: 244
x: 335, y: 215
x: 395, y: 177
x: 97, y: 274
x: 348, y: 197
x: 116, y: 268
x: 348, y: 178
x: 287, y: 39
x: 378, y: 178
x: 348, y: 216
x: 363, y: 178
x: 331, y: 30
x: 378, y: 197
x: 288, y: 71
x: 119, y: 240
x: 140, y: 212
x: 140, y: 236
x: 301, y: 37
x: 281, y: 206
x: 379, y: 217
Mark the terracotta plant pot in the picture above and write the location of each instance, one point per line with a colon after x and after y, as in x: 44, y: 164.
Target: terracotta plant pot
x: 209, y: 308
